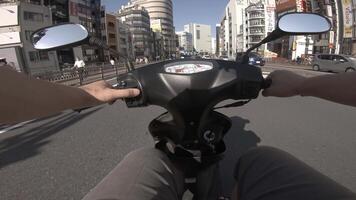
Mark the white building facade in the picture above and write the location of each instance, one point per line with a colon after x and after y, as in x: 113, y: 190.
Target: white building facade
x: 22, y: 19
x: 185, y: 40
x: 232, y: 38
x: 201, y: 34
x: 245, y: 23
x: 213, y: 45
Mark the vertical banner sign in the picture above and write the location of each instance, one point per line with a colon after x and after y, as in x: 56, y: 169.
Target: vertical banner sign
x: 347, y: 12
x: 73, y: 9
x: 271, y: 15
x: 270, y: 19
x: 301, y: 5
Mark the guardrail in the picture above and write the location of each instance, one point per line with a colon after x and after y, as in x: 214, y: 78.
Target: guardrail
x: 82, y: 76
x: 306, y: 62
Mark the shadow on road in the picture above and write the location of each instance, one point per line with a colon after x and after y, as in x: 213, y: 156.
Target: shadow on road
x: 238, y: 141
x: 27, y: 144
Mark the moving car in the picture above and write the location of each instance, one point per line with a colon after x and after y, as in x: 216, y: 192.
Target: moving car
x: 334, y: 63
x: 224, y: 57
x: 254, y: 58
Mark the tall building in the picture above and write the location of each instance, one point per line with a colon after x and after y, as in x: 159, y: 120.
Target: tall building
x: 125, y: 40
x: 111, y: 34
x: 233, y: 28
x: 117, y: 36
x: 244, y: 24
x: 339, y: 38
x: 201, y: 37
x: 161, y: 11
x: 185, y: 40
x: 19, y: 20
x: 217, y: 39
x: 139, y: 21
x: 88, y: 13
x: 213, y: 45
x: 222, y: 37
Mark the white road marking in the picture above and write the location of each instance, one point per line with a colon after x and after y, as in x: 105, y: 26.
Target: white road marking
x: 14, y: 126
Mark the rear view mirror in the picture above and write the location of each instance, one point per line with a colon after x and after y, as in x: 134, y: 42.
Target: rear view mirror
x: 303, y: 24
x: 295, y: 24
x: 59, y: 36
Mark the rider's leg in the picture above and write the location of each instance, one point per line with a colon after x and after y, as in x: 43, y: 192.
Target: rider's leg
x: 267, y: 173
x: 142, y: 174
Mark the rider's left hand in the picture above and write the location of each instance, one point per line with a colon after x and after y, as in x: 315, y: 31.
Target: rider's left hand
x: 105, y: 93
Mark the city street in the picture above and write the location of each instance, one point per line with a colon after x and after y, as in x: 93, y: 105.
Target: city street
x: 64, y: 156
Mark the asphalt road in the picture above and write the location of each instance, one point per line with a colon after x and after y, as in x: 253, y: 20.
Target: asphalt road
x: 64, y: 156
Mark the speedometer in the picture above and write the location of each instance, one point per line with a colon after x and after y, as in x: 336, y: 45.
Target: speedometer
x: 188, y: 68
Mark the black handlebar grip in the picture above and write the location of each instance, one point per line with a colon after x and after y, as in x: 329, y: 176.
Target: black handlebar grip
x: 266, y: 83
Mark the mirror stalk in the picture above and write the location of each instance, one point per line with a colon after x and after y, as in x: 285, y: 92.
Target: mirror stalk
x: 272, y: 36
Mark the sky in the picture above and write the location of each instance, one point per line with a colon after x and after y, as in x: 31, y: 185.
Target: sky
x: 208, y: 12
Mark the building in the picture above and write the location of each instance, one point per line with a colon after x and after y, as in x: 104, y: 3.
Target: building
x: 217, y: 39
x: 339, y: 39
x: 139, y: 21
x: 213, y: 45
x: 22, y: 19
x: 244, y: 24
x: 222, y: 37
x: 185, y: 41
x: 89, y: 14
x: 125, y: 40
x: 161, y: 14
x: 158, y: 45
x: 201, y: 35
x: 233, y: 28
x: 110, y: 27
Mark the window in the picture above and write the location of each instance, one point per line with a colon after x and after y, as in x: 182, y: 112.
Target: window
x: 112, y: 36
x: 31, y: 16
x: 37, y: 2
x: 339, y: 58
x: 33, y: 56
x: 325, y: 57
x: 36, y: 56
x: 28, y: 35
x: 43, y: 55
x: 198, y: 34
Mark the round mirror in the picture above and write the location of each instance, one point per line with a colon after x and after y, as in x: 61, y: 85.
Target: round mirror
x: 59, y: 36
x: 303, y: 23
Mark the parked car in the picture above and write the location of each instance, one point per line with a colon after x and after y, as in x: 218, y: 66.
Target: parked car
x: 333, y: 63
x: 206, y: 57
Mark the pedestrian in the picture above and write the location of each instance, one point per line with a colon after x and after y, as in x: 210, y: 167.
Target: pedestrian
x: 112, y: 62
x: 79, y: 65
x: 299, y: 60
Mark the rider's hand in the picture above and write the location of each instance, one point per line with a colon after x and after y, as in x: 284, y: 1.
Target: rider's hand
x: 105, y: 93
x: 284, y: 84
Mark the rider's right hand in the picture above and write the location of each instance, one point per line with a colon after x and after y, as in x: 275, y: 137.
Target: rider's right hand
x: 284, y: 84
